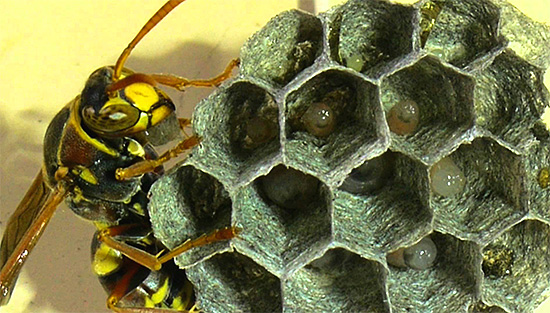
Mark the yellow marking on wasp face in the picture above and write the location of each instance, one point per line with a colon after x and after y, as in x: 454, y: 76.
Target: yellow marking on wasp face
x: 135, y: 148
x: 159, y: 114
x: 161, y: 293
x: 106, y: 260
x: 143, y: 95
x: 115, y: 101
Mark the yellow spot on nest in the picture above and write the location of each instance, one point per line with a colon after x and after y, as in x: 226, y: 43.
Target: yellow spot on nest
x: 546, y: 118
x: 544, y: 177
x: 355, y: 62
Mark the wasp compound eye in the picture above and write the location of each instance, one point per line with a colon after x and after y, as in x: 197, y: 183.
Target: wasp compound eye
x: 112, y: 118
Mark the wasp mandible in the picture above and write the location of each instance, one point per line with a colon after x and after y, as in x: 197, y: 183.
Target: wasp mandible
x: 98, y: 158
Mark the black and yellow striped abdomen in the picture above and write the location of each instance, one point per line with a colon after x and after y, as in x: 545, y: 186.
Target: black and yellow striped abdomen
x: 138, y: 286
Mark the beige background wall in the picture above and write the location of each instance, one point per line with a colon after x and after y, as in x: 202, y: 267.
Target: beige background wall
x: 48, y: 49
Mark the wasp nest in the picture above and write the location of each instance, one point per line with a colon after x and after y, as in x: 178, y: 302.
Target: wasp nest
x: 378, y: 158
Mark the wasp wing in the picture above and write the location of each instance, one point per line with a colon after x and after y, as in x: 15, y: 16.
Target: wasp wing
x: 23, y: 230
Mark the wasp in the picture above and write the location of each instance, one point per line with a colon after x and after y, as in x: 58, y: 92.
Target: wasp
x: 99, y: 159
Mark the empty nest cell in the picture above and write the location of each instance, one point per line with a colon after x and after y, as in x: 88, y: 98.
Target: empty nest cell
x: 288, y: 44
x: 370, y: 36
x: 462, y: 30
x: 339, y: 281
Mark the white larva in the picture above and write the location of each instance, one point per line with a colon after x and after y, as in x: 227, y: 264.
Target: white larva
x: 447, y: 179
x: 419, y: 256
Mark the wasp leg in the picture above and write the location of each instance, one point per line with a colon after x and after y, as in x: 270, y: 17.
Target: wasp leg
x: 146, y: 166
x: 153, y: 262
x: 180, y: 83
x: 184, y: 123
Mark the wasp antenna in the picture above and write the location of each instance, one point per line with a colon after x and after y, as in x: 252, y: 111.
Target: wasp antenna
x: 153, y: 21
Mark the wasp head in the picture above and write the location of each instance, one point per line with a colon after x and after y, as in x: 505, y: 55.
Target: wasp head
x: 133, y: 107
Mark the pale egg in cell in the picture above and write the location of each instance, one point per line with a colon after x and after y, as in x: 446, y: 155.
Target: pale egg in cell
x: 446, y: 178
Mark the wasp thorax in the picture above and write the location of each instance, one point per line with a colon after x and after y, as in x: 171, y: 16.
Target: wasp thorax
x: 319, y: 120
x: 403, y: 117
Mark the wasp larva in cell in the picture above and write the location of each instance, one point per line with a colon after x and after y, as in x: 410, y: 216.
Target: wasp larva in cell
x: 403, y: 117
x: 419, y: 256
x: 319, y: 119
x: 446, y: 178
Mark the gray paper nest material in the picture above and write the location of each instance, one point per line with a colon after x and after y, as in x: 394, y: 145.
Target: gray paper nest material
x: 474, y: 68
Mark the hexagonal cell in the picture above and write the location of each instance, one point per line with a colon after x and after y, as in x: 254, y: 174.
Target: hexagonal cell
x: 291, y: 206
x: 371, y: 36
x: 510, y: 97
x: 185, y: 204
x: 331, y: 118
x: 394, y: 212
x: 340, y: 281
x: 448, y: 286
x: 524, y: 270
x: 247, y: 287
x: 464, y: 30
x: 493, y: 197
x: 444, y: 99
x: 240, y: 130
x: 288, y: 44
x: 253, y: 122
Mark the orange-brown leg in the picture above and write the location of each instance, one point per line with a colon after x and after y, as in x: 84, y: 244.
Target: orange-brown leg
x: 180, y: 83
x: 153, y: 262
x: 184, y: 123
x: 146, y: 166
